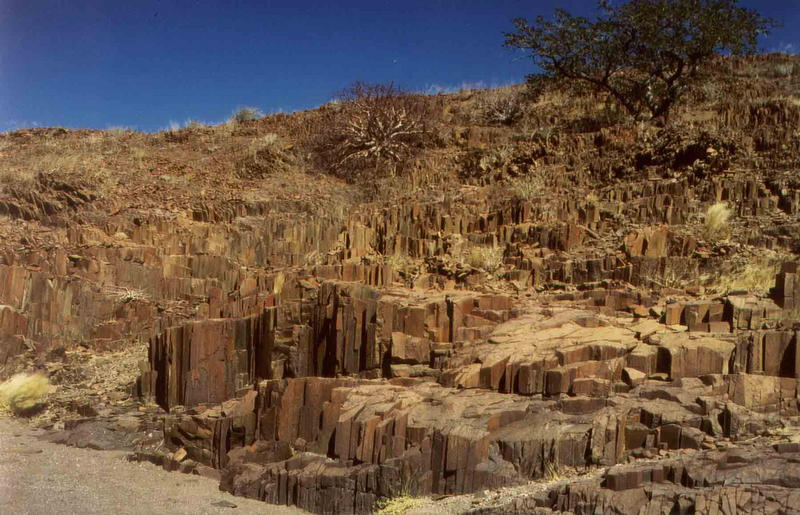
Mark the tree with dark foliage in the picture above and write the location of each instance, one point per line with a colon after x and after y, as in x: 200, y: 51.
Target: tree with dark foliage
x: 644, y: 53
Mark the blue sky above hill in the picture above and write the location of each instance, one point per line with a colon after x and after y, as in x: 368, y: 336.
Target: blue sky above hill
x: 147, y: 64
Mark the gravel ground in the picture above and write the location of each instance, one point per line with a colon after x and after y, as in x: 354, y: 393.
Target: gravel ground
x: 38, y: 477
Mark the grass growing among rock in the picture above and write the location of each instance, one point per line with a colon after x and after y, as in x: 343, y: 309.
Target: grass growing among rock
x: 398, y: 505
x: 716, y: 222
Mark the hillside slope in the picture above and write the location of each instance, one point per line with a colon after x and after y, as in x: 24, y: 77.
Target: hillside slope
x: 538, y: 292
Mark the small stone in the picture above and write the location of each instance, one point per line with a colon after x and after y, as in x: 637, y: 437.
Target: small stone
x: 224, y: 504
x: 179, y: 455
x: 633, y: 377
x: 24, y: 450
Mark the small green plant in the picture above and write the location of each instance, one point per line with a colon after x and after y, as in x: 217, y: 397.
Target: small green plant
x: 23, y: 393
x: 529, y: 187
x: 716, y: 223
x: 245, y: 114
x: 497, y: 159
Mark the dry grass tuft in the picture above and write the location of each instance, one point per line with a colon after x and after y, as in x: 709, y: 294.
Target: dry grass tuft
x: 263, y: 156
x: 277, y: 288
x: 526, y: 187
x: 754, y: 277
x: 486, y: 258
x: 398, y: 505
x: 551, y: 472
x: 716, y: 222
x: 23, y: 393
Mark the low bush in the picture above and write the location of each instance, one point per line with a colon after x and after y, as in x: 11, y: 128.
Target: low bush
x: 373, y: 130
x: 245, y: 114
x: 500, y: 107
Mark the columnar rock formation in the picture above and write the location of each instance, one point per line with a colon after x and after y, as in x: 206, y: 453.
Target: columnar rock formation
x: 325, y: 354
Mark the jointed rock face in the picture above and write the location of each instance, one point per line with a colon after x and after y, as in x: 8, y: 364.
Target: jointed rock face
x: 331, y: 359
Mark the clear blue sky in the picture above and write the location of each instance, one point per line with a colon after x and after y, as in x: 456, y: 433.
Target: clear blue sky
x: 143, y: 63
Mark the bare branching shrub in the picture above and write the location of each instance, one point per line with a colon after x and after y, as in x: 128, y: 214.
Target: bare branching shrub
x: 245, y: 114
x: 500, y: 107
x: 374, y: 130
x: 716, y: 222
x: 263, y: 156
x: 124, y: 295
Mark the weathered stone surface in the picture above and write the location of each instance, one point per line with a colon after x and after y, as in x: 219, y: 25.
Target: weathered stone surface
x: 328, y: 358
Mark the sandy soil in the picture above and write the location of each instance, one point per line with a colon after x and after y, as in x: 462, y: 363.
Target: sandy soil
x: 38, y: 477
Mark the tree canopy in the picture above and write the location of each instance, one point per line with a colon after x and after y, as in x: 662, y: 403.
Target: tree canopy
x: 642, y: 52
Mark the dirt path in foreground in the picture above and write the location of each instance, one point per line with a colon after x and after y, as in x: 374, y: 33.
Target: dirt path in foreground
x: 38, y: 477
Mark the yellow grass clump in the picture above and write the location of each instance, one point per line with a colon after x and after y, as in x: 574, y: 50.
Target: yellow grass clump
x: 23, y: 393
x: 277, y: 288
x: 398, y: 505
x: 487, y: 258
x: 757, y: 276
x: 716, y: 222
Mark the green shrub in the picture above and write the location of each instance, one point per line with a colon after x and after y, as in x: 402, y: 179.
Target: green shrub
x: 644, y: 53
x: 245, y: 114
